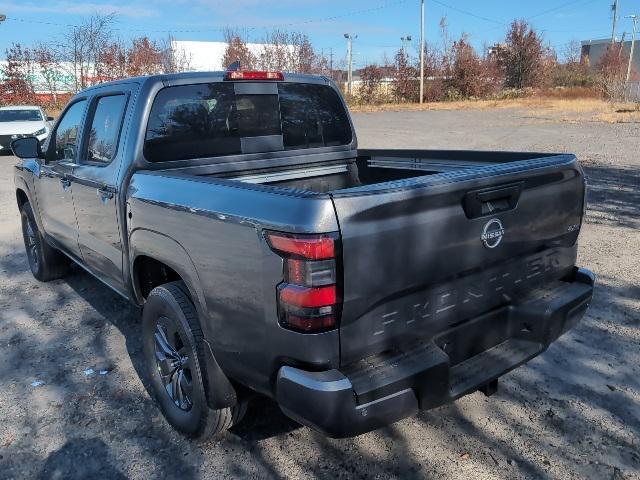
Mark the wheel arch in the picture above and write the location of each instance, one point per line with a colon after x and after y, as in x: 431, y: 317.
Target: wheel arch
x: 166, y: 260
x: 21, y: 197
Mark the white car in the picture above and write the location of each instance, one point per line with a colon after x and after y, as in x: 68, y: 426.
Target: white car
x: 22, y: 121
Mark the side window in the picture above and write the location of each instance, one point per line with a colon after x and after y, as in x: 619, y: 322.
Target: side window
x: 65, y: 141
x: 105, y: 129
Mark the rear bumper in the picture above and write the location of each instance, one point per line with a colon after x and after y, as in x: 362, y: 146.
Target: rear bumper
x: 383, y: 389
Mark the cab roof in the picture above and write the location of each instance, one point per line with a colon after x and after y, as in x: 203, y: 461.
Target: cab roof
x: 198, y: 77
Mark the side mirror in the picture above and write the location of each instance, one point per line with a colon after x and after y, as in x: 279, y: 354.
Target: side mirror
x: 50, y: 119
x: 28, y: 147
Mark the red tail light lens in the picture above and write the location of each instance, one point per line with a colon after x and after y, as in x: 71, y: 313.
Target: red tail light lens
x: 253, y: 75
x: 308, y: 298
x: 311, y: 248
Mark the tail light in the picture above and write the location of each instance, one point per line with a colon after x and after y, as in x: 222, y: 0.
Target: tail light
x: 251, y: 75
x: 309, y: 297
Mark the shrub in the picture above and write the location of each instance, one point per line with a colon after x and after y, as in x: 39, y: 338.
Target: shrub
x: 371, y: 82
x: 612, y: 72
x: 526, y: 62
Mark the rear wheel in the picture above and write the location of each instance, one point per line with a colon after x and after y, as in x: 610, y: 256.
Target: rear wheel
x: 174, y: 350
x: 46, y: 263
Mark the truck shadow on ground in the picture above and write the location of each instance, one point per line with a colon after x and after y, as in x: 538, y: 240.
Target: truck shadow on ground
x: 96, y: 461
x: 104, y: 425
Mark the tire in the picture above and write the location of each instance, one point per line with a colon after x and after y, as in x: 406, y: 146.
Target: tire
x: 174, y: 353
x: 46, y: 263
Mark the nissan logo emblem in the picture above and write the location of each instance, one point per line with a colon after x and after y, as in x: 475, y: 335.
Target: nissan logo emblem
x: 492, y: 233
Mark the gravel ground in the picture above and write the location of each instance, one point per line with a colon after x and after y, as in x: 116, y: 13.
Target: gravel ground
x: 573, y: 412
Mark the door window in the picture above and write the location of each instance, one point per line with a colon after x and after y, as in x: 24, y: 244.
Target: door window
x: 105, y: 129
x: 64, y: 145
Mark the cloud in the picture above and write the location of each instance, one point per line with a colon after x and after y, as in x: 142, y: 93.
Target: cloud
x: 79, y: 8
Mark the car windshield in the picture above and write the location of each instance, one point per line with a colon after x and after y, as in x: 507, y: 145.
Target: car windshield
x: 20, y: 115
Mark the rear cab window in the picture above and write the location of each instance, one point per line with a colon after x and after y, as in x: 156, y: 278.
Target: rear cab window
x: 212, y: 120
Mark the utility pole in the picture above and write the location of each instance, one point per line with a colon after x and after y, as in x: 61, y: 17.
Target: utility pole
x: 350, y: 38
x: 421, y: 51
x: 614, y: 8
x: 633, y: 44
x: 331, y: 62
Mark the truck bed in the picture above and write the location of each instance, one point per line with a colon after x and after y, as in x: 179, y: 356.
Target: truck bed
x: 372, y: 167
x: 367, y: 167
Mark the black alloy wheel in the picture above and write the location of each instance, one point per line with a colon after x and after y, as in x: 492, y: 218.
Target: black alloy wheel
x: 46, y: 263
x: 31, y: 243
x: 174, y: 363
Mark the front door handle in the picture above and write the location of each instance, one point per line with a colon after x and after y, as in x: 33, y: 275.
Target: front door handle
x: 106, y: 193
x: 66, y: 183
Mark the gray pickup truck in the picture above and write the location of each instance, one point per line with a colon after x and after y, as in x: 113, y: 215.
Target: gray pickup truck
x: 272, y: 256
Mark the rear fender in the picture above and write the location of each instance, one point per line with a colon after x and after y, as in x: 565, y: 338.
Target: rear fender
x: 219, y: 390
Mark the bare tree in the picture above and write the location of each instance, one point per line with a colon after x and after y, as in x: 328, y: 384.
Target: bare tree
x: 274, y: 52
x: 371, y: 78
x: 18, y: 73
x: 572, y: 52
x: 321, y: 65
x: 287, y: 51
x: 405, y: 79
x: 144, y: 57
x: 113, y: 62
x: 446, y: 54
x: 612, y: 72
x: 571, y: 70
x: 49, y: 66
x: 303, y: 56
x: 237, y: 50
x: 468, y: 77
x: 174, y: 60
x: 83, y: 46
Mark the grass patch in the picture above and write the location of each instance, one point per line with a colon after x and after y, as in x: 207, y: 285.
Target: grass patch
x: 560, y: 109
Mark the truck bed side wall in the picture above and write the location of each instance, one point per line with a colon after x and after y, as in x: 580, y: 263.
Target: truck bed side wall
x: 220, y: 224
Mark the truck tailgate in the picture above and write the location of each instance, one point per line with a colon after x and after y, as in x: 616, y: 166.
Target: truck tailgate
x: 421, y: 254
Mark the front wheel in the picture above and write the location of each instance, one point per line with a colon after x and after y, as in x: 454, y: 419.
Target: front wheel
x: 174, y: 355
x: 46, y: 263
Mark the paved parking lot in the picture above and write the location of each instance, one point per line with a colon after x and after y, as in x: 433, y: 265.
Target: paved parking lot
x: 574, y: 412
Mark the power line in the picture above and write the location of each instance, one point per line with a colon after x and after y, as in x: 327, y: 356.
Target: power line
x: 219, y: 29
x: 336, y: 17
x: 466, y: 12
x: 559, y: 7
x: 529, y: 18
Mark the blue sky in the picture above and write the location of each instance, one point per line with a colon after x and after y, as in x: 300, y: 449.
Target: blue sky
x: 379, y: 24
